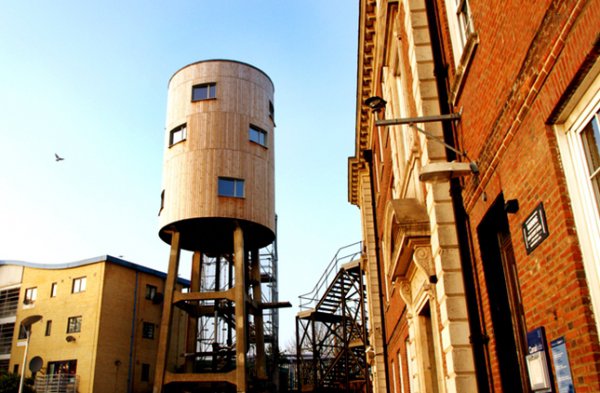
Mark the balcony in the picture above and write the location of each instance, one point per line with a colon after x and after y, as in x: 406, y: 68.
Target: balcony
x: 9, y: 300
x: 56, y: 383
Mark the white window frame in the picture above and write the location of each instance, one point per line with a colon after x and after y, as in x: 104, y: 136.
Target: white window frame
x: 79, y: 284
x: 178, y: 134
x: 30, y: 295
x: 460, y: 25
x: 583, y: 202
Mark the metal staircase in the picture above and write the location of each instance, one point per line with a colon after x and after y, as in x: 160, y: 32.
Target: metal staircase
x: 331, y: 331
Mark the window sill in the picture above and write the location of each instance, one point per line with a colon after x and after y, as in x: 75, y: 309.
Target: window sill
x: 463, y: 66
x: 177, y: 143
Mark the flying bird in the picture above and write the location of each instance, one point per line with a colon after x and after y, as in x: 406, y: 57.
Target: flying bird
x: 58, y: 158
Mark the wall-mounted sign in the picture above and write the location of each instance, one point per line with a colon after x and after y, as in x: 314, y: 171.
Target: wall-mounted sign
x: 535, y: 228
x: 540, y: 379
x: 560, y: 358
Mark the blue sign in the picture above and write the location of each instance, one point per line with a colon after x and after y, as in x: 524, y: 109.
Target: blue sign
x: 560, y: 358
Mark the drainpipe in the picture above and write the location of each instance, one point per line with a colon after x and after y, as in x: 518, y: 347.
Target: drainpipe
x: 132, y: 336
x: 368, y: 156
x: 478, y: 335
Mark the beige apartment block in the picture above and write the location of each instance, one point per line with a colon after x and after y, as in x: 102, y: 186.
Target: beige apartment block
x: 98, y: 323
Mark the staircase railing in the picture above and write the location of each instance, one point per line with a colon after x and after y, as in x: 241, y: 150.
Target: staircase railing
x: 344, y: 255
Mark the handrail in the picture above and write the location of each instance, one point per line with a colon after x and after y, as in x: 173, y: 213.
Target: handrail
x: 344, y: 255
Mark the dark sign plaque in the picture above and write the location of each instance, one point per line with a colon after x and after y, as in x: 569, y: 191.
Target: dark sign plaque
x: 560, y: 358
x: 535, y: 228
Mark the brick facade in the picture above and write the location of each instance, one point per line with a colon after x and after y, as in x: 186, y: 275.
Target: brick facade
x: 519, y: 74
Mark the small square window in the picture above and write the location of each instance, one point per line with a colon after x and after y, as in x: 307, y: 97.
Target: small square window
x: 150, y: 292
x: 48, y: 327
x: 231, y: 187
x: 204, y: 91
x: 30, y: 295
x: 54, y: 289
x: 74, y: 324
x: 79, y: 285
x: 178, y: 134
x: 257, y: 135
x: 148, y: 330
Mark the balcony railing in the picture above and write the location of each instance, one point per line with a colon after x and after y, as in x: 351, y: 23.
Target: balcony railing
x: 9, y: 301
x: 345, y: 254
x: 56, y: 383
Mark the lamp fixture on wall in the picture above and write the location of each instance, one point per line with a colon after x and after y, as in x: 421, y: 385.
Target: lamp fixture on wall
x: 434, y: 172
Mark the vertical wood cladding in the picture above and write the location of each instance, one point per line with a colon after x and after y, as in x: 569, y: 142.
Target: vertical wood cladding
x: 217, y: 145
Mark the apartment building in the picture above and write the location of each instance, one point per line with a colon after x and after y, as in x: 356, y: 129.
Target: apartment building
x: 477, y: 173
x: 98, y: 323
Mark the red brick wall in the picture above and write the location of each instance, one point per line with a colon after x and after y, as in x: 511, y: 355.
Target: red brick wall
x: 527, y: 55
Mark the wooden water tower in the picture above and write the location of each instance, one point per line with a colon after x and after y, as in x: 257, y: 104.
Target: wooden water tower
x: 218, y: 202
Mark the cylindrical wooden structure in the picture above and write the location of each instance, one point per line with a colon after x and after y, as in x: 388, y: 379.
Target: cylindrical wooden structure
x: 219, y: 157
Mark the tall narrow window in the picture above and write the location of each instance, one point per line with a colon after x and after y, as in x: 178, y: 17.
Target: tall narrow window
x: 162, y: 202
x: 79, y: 285
x: 178, y: 134
x: 48, y: 327
x: 257, y: 135
x: 461, y: 28
x: 271, y: 110
x: 148, y: 330
x: 231, y: 187
x: 30, y: 295
x: 145, y: 372
x: 54, y: 289
x: 204, y: 91
x: 590, y: 141
x: 578, y: 135
x: 74, y: 324
x: 150, y: 292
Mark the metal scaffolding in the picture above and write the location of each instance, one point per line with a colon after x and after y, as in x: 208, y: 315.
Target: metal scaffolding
x: 331, y: 334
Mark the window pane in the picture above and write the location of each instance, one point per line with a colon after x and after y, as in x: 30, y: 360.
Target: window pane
x: 74, y: 325
x: 257, y: 135
x: 178, y: 134
x: 226, y: 187
x: 204, y: 91
x: 199, y: 93
x: 590, y: 137
x: 231, y: 187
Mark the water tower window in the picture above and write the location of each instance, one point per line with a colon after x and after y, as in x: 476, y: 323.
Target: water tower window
x: 231, y: 187
x: 271, y: 110
x: 257, y: 135
x: 178, y: 134
x: 204, y: 91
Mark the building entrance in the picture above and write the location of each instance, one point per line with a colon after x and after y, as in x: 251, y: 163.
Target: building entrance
x: 506, y: 309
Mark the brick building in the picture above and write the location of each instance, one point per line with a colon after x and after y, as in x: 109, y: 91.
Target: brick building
x: 98, y: 330
x: 488, y: 280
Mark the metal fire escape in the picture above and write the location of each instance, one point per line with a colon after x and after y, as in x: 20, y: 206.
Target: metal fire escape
x: 331, y: 334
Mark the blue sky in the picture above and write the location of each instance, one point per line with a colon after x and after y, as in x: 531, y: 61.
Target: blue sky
x: 88, y: 80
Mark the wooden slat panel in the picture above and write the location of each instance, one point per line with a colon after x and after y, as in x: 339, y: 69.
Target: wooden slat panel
x: 217, y: 144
